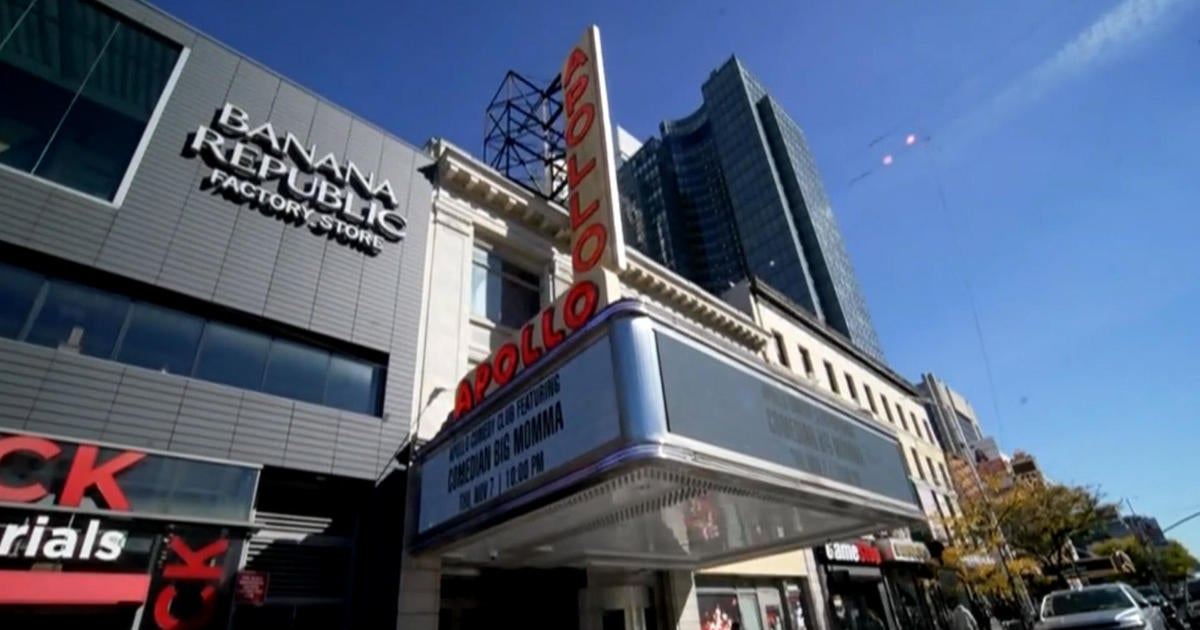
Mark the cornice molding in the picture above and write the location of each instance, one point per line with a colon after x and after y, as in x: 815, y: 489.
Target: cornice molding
x: 462, y: 174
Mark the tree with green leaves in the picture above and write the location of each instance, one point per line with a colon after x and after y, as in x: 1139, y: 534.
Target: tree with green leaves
x: 1171, y: 562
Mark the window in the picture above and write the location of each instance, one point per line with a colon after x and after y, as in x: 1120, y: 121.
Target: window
x: 900, y: 412
x: 781, y: 349
x: 950, y: 507
x: 833, y: 384
x: 916, y: 460
x: 80, y: 87
x: 887, y: 408
x: 59, y: 314
x: 945, y: 477
x: 870, y: 398
x: 161, y: 339
x: 917, y: 426
x: 18, y: 289
x: 806, y: 359
x: 501, y: 291
x: 932, y: 471
x: 929, y: 431
x: 353, y: 385
x: 232, y: 356
x: 296, y: 371
x: 79, y: 317
x: 850, y: 386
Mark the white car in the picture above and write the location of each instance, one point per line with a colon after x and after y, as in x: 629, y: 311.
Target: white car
x: 1101, y: 606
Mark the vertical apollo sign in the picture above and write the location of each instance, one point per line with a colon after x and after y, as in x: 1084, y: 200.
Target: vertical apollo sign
x: 597, y: 240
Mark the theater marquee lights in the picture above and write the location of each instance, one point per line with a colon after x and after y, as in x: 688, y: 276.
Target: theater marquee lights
x: 597, y: 239
x: 279, y: 175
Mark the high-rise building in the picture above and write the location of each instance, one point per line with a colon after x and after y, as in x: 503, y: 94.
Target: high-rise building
x: 731, y: 191
x: 954, y: 420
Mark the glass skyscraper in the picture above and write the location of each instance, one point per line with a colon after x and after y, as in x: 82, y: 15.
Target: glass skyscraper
x: 731, y: 191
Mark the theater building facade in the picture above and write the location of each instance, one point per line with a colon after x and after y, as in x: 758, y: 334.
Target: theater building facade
x: 650, y: 468
x: 210, y: 296
x: 263, y: 365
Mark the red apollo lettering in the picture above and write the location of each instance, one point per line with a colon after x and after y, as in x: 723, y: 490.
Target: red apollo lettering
x: 463, y: 400
x: 550, y: 337
x: 195, y: 563
x: 598, y: 237
x: 483, y: 380
x: 579, y: 217
x: 579, y: 124
x: 43, y: 448
x: 580, y: 304
x: 529, y: 353
x: 85, y: 473
x: 506, y: 364
x: 577, y: 60
x: 574, y: 92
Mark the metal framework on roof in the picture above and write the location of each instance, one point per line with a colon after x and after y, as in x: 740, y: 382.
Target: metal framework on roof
x: 522, y: 136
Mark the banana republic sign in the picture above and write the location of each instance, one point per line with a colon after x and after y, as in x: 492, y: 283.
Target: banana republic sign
x: 276, y: 173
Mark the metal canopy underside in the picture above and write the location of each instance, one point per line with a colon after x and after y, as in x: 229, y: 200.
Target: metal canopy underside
x: 641, y: 495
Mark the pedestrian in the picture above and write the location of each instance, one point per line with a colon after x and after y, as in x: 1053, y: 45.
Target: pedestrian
x: 961, y: 617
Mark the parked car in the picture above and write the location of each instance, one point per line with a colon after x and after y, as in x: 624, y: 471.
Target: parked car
x: 1192, y: 597
x: 1100, y: 606
x: 1174, y: 616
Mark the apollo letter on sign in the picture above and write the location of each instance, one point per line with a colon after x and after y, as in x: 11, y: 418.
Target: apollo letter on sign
x: 597, y: 240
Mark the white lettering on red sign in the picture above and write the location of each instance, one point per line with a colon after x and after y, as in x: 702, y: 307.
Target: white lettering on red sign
x: 41, y: 541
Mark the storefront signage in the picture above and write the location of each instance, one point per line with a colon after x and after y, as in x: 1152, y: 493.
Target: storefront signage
x: 37, y: 470
x: 187, y: 591
x: 85, y: 474
x: 281, y: 176
x: 903, y: 551
x: 857, y: 552
x: 597, y: 238
x: 252, y: 587
x: 776, y: 423
x: 39, y: 540
x: 541, y: 430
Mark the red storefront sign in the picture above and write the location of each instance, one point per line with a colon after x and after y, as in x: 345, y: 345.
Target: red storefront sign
x: 857, y: 552
x: 252, y: 587
x: 188, y: 579
x: 86, y: 475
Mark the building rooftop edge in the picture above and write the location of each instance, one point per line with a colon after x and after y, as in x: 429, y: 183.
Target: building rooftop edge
x: 462, y: 171
x: 776, y: 298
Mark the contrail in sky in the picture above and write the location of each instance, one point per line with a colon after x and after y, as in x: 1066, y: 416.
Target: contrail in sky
x: 1126, y: 24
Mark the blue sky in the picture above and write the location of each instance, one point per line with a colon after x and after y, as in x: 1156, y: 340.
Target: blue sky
x: 1062, y: 135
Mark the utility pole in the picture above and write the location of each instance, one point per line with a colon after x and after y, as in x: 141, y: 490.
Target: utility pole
x: 1147, y: 546
x: 1028, y: 611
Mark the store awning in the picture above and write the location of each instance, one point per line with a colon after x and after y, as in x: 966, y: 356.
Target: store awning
x: 642, y: 443
x: 58, y: 588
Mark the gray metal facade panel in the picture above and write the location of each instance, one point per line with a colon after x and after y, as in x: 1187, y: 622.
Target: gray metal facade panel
x: 20, y: 205
x: 172, y: 233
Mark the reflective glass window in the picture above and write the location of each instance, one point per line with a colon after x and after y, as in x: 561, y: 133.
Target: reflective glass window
x: 80, y: 84
x: 160, y: 339
x: 502, y: 291
x: 296, y: 371
x: 18, y: 290
x: 79, y: 317
x: 232, y: 356
x: 353, y: 385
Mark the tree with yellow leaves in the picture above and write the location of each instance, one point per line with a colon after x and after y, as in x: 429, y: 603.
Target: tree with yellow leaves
x: 1030, y: 523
